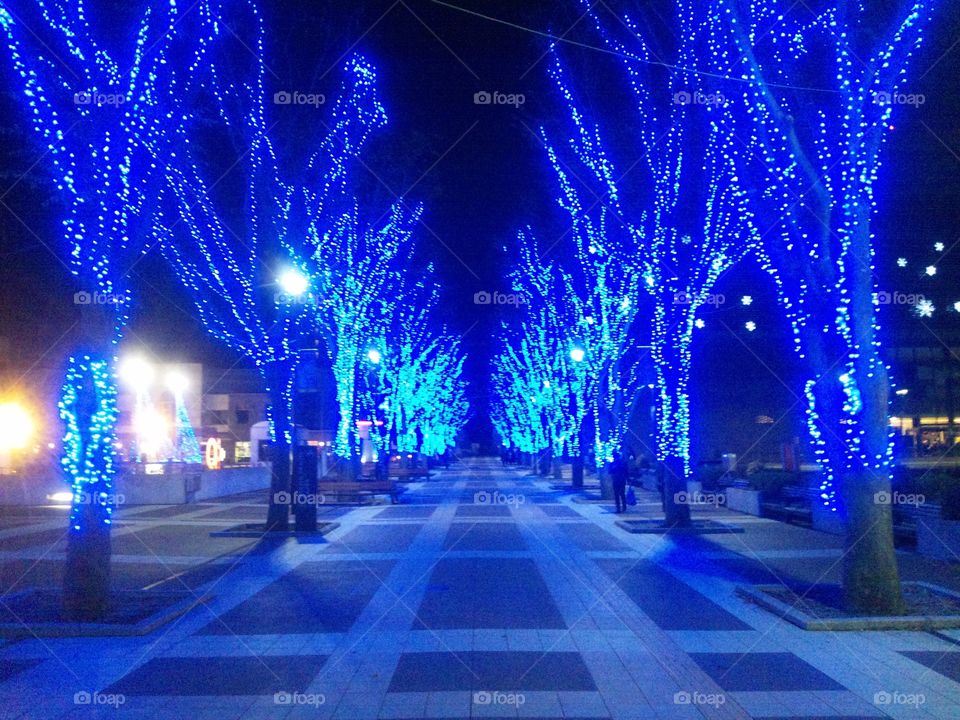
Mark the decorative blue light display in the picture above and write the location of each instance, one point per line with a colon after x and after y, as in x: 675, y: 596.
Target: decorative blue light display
x: 186, y: 447
x: 88, y: 409
x: 418, y: 391
x: 664, y: 251
x: 102, y: 121
x: 541, y: 374
x: 810, y: 166
x: 225, y: 264
x: 359, y: 273
x: 799, y: 107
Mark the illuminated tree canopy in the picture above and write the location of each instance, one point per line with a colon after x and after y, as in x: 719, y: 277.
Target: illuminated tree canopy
x: 101, y: 117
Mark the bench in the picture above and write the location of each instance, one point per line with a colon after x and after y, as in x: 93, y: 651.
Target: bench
x: 402, y: 473
x: 792, y: 504
x: 362, y: 487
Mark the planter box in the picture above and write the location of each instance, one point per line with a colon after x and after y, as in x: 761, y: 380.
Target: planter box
x: 743, y: 500
x: 938, y: 538
x: 795, y: 614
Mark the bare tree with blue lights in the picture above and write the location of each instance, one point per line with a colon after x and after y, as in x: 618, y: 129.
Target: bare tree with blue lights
x: 252, y: 267
x: 819, y: 92
x: 101, y: 117
x: 552, y: 348
x: 664, y: 249
x: 418, y: 389
x: 358, y: 273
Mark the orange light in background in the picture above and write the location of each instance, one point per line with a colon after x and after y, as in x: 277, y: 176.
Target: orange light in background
x: 16, y: 426
x: 215, y: 454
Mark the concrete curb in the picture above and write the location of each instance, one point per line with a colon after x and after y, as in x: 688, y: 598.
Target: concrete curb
x: 255, y: 530
x: 69, y: 630
x: 758, y: 594
x: 658, y: 527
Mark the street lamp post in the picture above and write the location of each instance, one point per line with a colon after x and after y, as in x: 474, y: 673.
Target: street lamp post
x: 294, y: 283
x: 305, y: 460
x: 577, y: 355
x: 379, y: 392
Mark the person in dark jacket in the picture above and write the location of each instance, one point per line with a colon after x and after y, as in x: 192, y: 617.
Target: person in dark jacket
x: 619, y: 472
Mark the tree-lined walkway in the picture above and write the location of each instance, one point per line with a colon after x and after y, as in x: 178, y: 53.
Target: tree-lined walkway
x: 489, y: 593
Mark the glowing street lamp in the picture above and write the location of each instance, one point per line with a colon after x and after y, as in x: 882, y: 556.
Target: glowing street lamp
x: 293, y: 282
x: 578, y: 354
x: 177, y: 382
x: 374, y: 356
x: 137, y: 373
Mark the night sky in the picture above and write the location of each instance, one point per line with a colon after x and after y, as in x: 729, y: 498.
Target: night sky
x: 482, y: 174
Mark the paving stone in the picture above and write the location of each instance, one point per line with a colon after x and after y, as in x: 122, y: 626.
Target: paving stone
x: 670, y: 603
x: 560, y: 511
x: 373, y: 538
x: 264, y: 675
x: 484, y: 536
x: 395, y: 512
x: 588, y: 536
x: 488, y: 593
x: 314, y: 597
x: 9, y: 668
x: 763, y: 671
x: 945, y: 663
x: 482, y: 511
x: 489, y: 671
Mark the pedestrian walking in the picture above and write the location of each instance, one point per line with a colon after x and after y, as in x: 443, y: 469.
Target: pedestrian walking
x: 619, y: 472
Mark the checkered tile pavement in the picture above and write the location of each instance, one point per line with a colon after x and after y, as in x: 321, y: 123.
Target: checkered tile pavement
x: 488, y: 593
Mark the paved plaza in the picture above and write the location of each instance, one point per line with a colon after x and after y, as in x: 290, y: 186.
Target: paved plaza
x: 485, y: 593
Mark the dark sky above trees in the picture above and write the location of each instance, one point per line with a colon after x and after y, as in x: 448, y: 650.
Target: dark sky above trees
x: 479, y: 169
